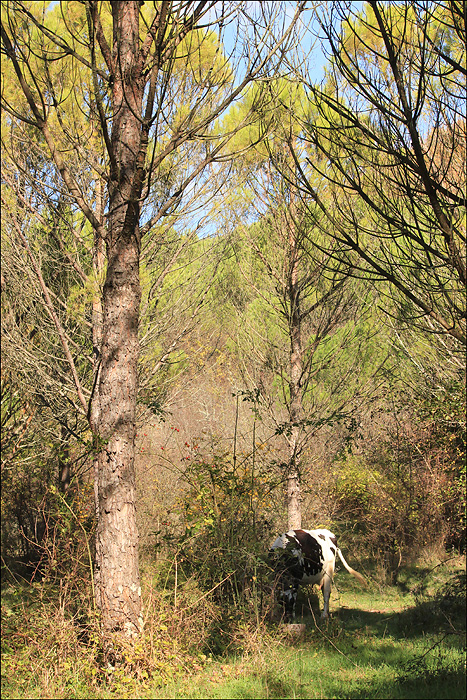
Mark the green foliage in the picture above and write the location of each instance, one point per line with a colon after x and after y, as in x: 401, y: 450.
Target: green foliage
x: 41, y: 637
x: 402, y: 491
x: 279, y: 107
x: 342, y: 342
x: 381, y: 79
x: 443, y: 439
x: 442, y: 598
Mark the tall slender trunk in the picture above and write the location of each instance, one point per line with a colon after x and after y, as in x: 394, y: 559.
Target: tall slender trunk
x: 64, y: 466
x: 294, y: 514
x: 118, y: 591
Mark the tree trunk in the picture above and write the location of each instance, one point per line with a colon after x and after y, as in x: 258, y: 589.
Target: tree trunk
x: 294, y: 510
x: 118, y: 591
x: 64, y: 466
x: 294, y: 514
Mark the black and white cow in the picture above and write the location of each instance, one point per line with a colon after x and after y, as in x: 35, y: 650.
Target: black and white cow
x: 305, y: 556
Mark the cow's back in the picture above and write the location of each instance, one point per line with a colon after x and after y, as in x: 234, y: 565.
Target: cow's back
x: 305, y: 555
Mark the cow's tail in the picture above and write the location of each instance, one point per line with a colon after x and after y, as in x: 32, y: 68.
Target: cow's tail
x: 350, y: 570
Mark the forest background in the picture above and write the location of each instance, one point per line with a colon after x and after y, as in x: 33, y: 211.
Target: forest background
x: 278, y: 342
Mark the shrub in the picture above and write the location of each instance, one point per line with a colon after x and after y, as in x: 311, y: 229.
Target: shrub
x: 407, y: 491
x: 226, y: 513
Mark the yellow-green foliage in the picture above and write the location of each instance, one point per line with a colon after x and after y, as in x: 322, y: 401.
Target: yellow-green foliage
x: 354, y: 482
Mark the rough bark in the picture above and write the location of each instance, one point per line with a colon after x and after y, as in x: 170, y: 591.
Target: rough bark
x: 118, y: 589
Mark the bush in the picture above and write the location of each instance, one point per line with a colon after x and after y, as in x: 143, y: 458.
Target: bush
x: 226, y: 515
x: 407, y: 491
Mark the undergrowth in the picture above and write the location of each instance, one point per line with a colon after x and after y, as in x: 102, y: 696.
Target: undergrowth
x: 399, y: 641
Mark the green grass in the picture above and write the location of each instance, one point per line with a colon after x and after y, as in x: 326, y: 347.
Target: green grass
x: 404, y: 641
x: 310, y: 672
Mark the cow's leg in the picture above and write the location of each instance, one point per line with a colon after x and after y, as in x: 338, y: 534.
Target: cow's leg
x: 289, y: 598
x: 326, y: 588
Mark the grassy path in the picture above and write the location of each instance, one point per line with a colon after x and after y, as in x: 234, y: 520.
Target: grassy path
x: 378, y: 644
